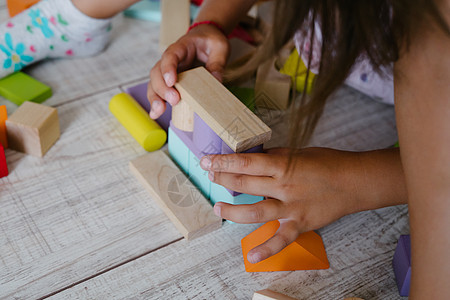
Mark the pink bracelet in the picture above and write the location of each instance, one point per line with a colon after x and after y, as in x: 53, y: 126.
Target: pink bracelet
x: 208, y: 23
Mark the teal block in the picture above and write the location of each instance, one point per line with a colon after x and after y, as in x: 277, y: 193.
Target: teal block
x: 198, y: 176
x: 148, y: 10
x: 220, y: 194
x: 178, y: 151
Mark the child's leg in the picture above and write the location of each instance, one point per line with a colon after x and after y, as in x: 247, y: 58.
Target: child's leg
x: 56, y: 28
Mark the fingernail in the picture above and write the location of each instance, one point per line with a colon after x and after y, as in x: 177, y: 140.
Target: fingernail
x: 168, y: 80
x: 211, y: 176
x: 171, y: 97
x: 217, y: 210
x: 156, y: 105
x: 153, y: 114
x: 218, y: 75
x: 205, y: 163
x: 254, y: 258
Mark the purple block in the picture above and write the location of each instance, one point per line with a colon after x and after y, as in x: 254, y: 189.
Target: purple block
x: 139, y: 93
x: 186, y: 137
x: 402, y: 264
x: 205, y: 139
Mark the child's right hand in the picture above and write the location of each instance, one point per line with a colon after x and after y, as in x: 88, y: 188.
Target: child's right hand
x: 204, y: 43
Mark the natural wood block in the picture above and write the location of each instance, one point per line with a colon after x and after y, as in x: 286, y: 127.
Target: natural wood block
x: 272, y: 88
x: 180, y: 200
x: 3, y: 118
x: 270, y: 295
x: 183, y: 116
x: 20, y: 87
x: 3, y: 166
x: 33, y: 128
x: 307, y: 252
x: 175, y: 20
x: 231, y: 120
x: 17, y: 6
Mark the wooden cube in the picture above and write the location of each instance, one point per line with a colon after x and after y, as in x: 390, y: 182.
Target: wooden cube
x: 33, y: 128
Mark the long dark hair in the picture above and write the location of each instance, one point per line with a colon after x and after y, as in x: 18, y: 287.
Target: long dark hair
x: 351, y: 29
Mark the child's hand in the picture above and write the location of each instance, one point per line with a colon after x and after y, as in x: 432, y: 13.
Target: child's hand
x: 321, y: 186
x: 203, y: 43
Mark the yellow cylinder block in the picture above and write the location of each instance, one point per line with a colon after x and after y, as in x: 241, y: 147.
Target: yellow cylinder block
x: 138, y: 123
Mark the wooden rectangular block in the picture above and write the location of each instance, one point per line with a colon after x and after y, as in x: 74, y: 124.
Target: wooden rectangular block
x: 184, y: 205
x: 17, y: 6
x: 272, y: 88
x: 231, y: 120
x: 3, y: 118
x: 270, y: 295
x: 3, y: 166
x: 20, y: 87
x: 33, y: 128
x: 175, y: 20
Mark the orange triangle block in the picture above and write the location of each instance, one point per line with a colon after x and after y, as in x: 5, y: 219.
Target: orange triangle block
x: 307, y: 252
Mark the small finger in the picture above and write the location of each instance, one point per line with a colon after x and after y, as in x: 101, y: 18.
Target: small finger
x: 285, y: 235
x: 159, y: 87
x: 157, y: 105
x: 263, y: 211
x: 170, y: 62
x: 247, y: 184
x: 258, y: 164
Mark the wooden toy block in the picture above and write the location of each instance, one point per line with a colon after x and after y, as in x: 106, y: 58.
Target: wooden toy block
x: 175, y: 20
x: 3, y: 118
x: 198, y: 176
x: 139, y: 93
x: 231, y: 120
x: 183, y: 116
x: 178, y: 151
x: 402, y: 264
x: 33, y: 128
x: 183, y: 204
x: 19, y: 87
x: 3, y: 166
x: 272, y: 88
x: 137, y: 122
x: 296, y: 69
x: 221, y: 194
x: 307, y: 252
x: 270, y: 295
x: 17, y: 6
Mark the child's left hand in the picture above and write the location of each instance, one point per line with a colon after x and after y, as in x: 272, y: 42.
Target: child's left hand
x: 321, y: 186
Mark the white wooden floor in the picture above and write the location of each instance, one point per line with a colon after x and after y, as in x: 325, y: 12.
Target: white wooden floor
x: 76, y: 224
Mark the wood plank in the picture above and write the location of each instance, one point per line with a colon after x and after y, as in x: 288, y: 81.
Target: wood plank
x: 267, y: 294
x: 233, y: 122
x: 77, y: 211
x: 181, y: 201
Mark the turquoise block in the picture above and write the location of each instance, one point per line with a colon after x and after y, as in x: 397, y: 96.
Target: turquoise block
x: 220, y: 194
x: 198, y: 176
x: 178, y: 151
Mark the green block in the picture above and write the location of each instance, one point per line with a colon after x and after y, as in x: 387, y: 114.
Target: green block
x: 178, y: 151
x: 19, y: 87
x: 246, y: 95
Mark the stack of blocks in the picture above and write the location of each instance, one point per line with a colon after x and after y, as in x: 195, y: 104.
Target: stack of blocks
x: 188, y: 147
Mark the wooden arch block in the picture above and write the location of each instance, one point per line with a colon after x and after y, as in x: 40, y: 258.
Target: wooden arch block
x: 307, y: 252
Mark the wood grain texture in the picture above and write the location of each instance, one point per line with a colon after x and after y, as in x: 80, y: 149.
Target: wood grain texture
x: 180, y: 200
x: 267, y: 294
x: 183, y: 116
x: 175, y: 20
x: 33, y: 128
x: 231, y: 120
